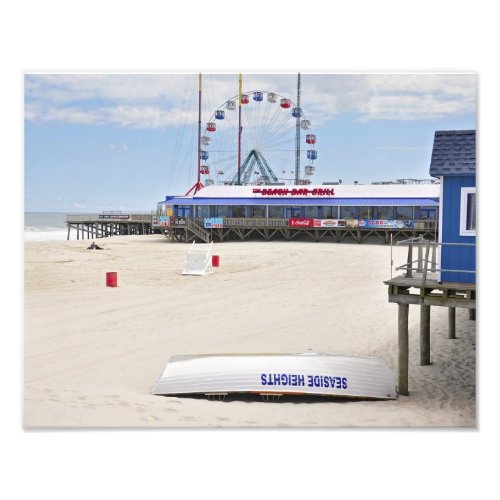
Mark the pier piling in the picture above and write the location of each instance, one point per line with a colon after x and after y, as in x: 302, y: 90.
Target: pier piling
x: 425, y: 335
x: 403, y: 342
x: 451, y: 323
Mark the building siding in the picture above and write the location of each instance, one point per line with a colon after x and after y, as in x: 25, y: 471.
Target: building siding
x: 453, y: 257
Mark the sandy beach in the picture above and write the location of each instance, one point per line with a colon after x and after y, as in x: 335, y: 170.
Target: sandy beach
x: 92, y: 353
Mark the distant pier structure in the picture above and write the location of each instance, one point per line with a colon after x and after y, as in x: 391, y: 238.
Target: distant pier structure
x: 106, y: 224
x: 441, y: 273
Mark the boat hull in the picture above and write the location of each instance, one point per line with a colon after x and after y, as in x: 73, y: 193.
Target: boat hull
x: 303, y: 374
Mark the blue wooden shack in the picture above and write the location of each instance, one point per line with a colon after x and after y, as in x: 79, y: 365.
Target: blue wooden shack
x: 454, y: 163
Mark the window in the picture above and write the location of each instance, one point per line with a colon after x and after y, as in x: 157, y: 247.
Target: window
x: 222, y: 211
x: 468, y: 211
x: 404, y: 213
x: 384, y: 213
x: 203, y: 211
x: 365, y: 213
x: 428, y: 213
x: 239, y: 211
x: 311, y: 212
x: 275, y: 212
x: 258, y: 211
x: 327, y: 212
x: 184, y: 211
x: 348, y: 212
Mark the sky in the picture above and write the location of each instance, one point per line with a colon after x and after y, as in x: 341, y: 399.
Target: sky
x: 117, y: 141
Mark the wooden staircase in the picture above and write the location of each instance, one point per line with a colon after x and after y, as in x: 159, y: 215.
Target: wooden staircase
x: 197, y: 230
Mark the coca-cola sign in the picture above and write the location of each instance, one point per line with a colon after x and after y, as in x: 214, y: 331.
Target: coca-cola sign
x: 301, y: 222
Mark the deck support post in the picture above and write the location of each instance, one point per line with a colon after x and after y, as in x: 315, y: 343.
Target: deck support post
x: 425, y: 335
x: 433, y: 258
x: 472, y: 314
x: 409, y: 262
x: 451, y: 323
x: 69, y: 229
x: 403, y: 348
x: 419, y: 252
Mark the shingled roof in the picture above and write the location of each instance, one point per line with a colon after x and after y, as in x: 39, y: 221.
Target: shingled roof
x: 454, y: 153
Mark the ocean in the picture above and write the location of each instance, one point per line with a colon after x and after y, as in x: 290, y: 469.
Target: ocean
x: 45, y: 226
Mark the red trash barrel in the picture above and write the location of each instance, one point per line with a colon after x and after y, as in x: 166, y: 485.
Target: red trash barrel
x: 215, y: 261
x: 112, y: 279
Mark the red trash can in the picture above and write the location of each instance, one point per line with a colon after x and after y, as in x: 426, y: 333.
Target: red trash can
x: 112, y: 279
x: 215, y: 261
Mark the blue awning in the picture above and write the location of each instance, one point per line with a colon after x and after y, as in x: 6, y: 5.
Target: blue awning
x: 316, y: 202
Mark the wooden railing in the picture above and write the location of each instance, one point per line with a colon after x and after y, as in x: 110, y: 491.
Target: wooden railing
x: 429, y: 225
x: 428, y: 262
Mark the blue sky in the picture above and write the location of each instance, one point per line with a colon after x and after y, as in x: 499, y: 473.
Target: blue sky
x: 123, y: 141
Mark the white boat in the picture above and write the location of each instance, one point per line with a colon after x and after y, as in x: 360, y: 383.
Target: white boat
x: 277, y: 374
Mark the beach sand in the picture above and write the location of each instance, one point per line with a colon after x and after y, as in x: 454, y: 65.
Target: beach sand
x: 92, y: 353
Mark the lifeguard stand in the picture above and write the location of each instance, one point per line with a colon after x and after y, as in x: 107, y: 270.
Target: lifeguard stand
x: 198, y: 260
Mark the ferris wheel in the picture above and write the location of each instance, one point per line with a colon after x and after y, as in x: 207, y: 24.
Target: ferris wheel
x: 268, y: 149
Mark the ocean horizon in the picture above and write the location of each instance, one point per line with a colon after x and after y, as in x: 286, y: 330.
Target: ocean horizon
x: 45, y: 226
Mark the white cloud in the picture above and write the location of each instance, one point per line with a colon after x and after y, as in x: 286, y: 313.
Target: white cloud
x: 119, y: 88
x: 155, y: 101
x: 414, y: 107
x: 124, y: 116
x: 388, y: 96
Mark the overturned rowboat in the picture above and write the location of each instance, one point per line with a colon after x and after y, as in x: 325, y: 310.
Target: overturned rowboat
x: 277, y: 374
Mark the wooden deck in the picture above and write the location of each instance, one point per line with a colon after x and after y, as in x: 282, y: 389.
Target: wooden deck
x: 430, y: 292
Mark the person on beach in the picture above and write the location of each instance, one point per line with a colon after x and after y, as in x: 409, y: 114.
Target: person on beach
x: 93, y: 246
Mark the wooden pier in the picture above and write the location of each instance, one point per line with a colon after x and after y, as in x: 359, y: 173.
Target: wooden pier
x: 106, y: 224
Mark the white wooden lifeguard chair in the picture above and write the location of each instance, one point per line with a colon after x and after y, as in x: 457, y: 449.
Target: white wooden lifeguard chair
x: 199, y: 259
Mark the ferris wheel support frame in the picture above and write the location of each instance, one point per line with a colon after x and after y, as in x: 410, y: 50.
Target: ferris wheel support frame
x: 239, y: 129
x: 297, y: 135
x: 198, y: 184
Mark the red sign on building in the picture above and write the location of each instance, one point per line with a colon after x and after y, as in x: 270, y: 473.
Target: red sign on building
x: 301, y: 222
